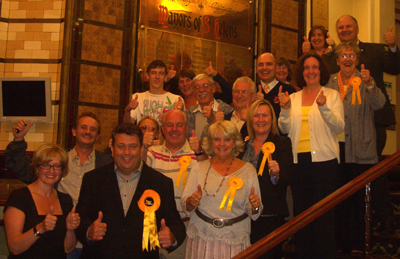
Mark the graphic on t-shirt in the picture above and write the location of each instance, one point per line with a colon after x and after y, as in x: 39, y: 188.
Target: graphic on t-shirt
x: 154, y: 108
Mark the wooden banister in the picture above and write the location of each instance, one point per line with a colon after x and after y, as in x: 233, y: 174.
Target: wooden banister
x: 303, y: 219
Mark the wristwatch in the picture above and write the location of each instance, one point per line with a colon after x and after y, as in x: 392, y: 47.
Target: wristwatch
x: 371, y: 86
x: 36, y: 232
x: 200, y: 153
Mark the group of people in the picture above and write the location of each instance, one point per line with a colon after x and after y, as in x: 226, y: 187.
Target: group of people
x: 190, y: 176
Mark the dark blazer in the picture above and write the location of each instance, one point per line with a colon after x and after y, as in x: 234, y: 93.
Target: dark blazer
x: 272, y: 96
x: 274, y: 196
x: 377, y: 60
x: 123, y: 239
x: 243, y: 130
x: 18, y: 162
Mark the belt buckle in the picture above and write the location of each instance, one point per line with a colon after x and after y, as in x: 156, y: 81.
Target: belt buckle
x: 218, y: 223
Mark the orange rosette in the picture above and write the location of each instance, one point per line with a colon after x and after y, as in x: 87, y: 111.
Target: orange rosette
x: 267, y: 148
x: 149, y: 203
x: 235, y: 183
x: 355, y: 82
x: 184, y: 162
x: 246, y: 138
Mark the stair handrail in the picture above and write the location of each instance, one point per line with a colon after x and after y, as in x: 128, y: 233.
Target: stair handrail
x: 309, y: 215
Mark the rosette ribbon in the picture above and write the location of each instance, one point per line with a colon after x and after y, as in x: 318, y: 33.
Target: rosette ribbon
x: 184, y: 162
x: 267, y: 148
x: 235, y: 183
x: 355, y: 83
x: 149, y: 203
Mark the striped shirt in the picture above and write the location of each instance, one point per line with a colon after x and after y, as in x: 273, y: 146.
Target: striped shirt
x: 163, y: 161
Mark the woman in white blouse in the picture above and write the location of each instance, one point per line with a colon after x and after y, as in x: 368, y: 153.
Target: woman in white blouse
x: 312, y: 117
x: 221, y: 195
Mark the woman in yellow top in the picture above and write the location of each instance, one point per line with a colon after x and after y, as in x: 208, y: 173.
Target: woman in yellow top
x: 312, y: 117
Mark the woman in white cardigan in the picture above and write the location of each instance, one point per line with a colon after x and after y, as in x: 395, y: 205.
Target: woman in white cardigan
x: 312, y: 118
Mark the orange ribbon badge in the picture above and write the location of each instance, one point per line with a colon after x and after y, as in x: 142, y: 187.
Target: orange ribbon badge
x: 355, y: 83
x: 235, y: 183
x: 184, y: 162
x: 267, y: 148
x: 149, y: 203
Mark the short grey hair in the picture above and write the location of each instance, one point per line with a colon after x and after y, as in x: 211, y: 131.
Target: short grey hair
x: 202, y: 76
x: 246, y: 79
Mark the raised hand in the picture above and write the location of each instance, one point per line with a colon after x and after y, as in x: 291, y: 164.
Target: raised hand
x: 219, y: 115
x: 330, y: 41
x: 260, y: 94
x: 165, y: 236
x: 210, y: 71
x: 98, y: 229
x: 306, y: 47
x: 73, y: 220
x: 179, y: 104
x: 389, y: 37
x: 284, y: 99
x: 244, y: 113
x: 208, y: 111
x: 21, y: 129
x: 254, y: 199
x: 273, y: 166
x: 321, y: 99
x: 171, y: 74
x: 194, y: 143
x: 148, y: 137
x: 161, y: 117
x: 133, y: 104
x: 364, y: 73
x: 196, y: 196
x: 49, y: 223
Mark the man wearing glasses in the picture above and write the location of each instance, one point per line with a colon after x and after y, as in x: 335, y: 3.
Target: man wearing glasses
x: 207, y: 109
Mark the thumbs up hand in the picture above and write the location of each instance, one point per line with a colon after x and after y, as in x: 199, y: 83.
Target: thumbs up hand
x: 196, y: 197
x: 21, y: 129
x: 219, y: 115
x: 165, y: 236
x: 330, y: 41
x: 208, y: 111
x: 321, y: 99
x: 98, y: 229
x: 284, y: 99
x: 389, y: 37
x: 73, y: 220
x: 260, y: 94
x: 133, y: 104
x: 273, y: 166
x: 49, y: 223
x: 179, y: 104
x: 306, y: 47
x: 194, y: 143
x: 254, y: 199
x: 210, y: 71
x: 171, y: 74
x: 365, y: 76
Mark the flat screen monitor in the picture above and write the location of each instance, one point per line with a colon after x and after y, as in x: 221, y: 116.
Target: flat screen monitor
x: 25, y: 98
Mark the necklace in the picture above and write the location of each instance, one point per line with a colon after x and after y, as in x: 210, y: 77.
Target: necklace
x: 223, y: 179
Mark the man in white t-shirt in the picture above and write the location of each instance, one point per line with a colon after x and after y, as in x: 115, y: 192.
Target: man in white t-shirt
x: 152, y: 102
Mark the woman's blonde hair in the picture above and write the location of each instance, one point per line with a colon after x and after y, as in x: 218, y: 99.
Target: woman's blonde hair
x: 252, y: 111
x: 47, y: 153
x: 227, y: 129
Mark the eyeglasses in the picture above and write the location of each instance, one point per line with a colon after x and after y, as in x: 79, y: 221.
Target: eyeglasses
x: 240, y: 92
x: 205, y: 86
x: 146, y: 128
x: 349, y: 56
x: 56, y: 167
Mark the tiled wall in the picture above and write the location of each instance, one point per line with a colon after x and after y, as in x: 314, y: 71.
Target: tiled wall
x: 31, y: 42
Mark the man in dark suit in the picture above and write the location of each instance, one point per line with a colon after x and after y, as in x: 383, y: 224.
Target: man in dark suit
x: 268, y: 87
x: 377, y: 58
x: 111, y: 218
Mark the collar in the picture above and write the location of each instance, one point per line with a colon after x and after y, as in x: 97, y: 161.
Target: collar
x: 185, y: 149
x: 197, y: 108
x: 133, y: 175
x: 75, y: 157
x: 271, y: 85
